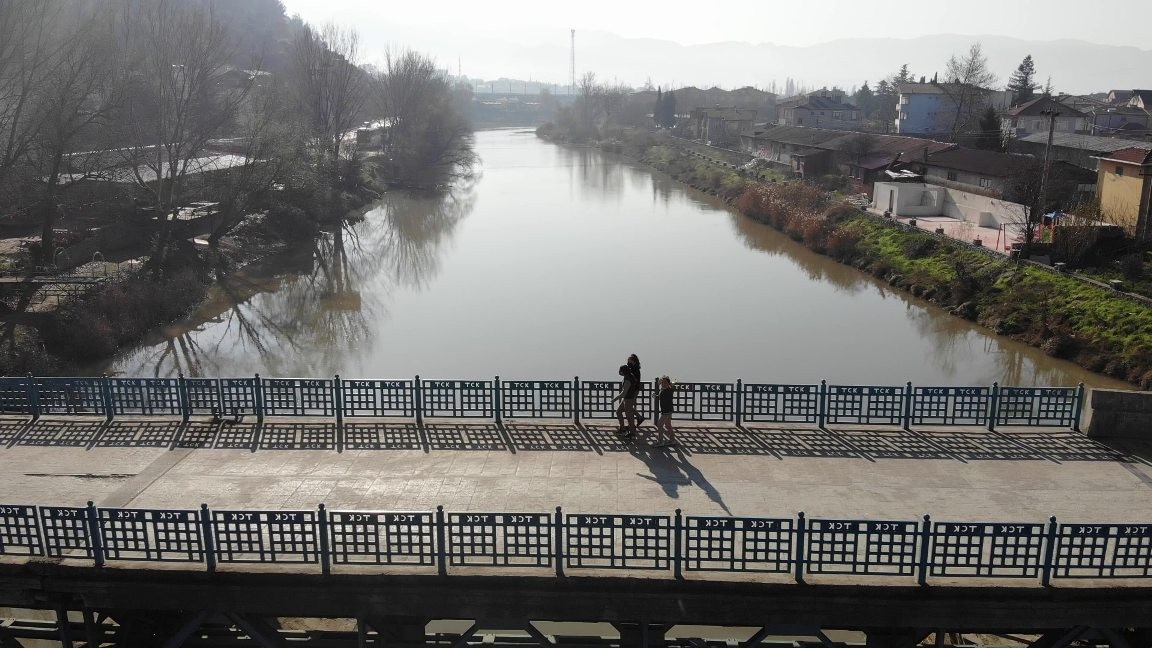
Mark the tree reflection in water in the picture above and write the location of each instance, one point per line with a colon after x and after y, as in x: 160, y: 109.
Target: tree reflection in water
x: 323, y: 309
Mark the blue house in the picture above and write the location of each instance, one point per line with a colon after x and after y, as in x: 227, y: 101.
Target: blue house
x: 929, y: 109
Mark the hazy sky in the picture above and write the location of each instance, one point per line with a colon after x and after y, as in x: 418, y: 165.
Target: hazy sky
x: 783, y: 23
x: 480, y: 33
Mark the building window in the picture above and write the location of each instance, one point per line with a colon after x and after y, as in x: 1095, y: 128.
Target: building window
x: 855, y: 115
x: 952, y: 176
x: 821, y: 113
x: 903, y: 115
x: 1119, y: 170
x: 835, y: 114
x: 985, y: 182
x: 903, y: 100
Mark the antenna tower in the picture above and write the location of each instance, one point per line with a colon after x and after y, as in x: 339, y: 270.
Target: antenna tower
x: 572, y: 69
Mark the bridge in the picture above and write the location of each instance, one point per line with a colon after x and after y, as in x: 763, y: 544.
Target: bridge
x: 195, y: 511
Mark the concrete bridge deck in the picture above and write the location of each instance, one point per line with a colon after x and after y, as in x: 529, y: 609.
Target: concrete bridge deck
x: 956, y: 473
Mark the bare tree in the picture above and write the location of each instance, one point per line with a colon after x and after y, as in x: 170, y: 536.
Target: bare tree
x: 77, y: 97
x: 179, y: 100
x: 27, y: 50
x: 966, y: 86
x: 427, y: 134
x: 330, y: 88
x: 266, y: 143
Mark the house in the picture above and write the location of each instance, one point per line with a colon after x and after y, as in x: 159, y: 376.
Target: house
x: 930, y: 109
x: 1118, y: 97
x: 1124, y: 113
x: 1078, y: 149
x: 987, y: 173
x: 1124, y: 186
x: 1141, y: 99
x: 812, y: 152
x: 820, y: 109
x: 1034, y: 117
x: 721, y: 126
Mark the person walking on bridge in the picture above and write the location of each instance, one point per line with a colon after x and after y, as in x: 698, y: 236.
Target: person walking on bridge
x: 629, y: 388
x: 634, y: 366
x: 664, y: 418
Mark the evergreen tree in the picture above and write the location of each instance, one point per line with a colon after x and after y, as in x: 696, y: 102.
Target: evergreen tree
x: 903, y: 76
x: 1022, y: 83
x: 669, y: 112
x: 864, y: 99
x: 658, y: 109
x: 989, y: 137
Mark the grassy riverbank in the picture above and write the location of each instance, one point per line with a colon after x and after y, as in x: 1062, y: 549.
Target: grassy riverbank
x: 1091, y: 326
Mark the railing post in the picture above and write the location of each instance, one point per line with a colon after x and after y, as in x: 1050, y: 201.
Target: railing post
x: 33, y: 397
x: 1079, y: 410
x: 338, y: 405
x: 325, y: 555
x: 738, y: 402
x: 558, y: 532
x: 95, y: 541
x: 576, y: 400
x: 441, y: 550
x: 106, y: 396
x: 209, y: 541
x: 908, y: 405
x: 993, y: 406
x: 925, y: 545
x: 677, y: 538
x: 823, y: 399
x: 258, y: 386
x: 182, y: 393
x: 801, y: 553
x: 419, y: 401
x: 496, y: 397
x: 1049, y: 553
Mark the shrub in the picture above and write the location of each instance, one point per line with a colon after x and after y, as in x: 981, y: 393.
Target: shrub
x: 1132, y: 267
x: 920, y: 246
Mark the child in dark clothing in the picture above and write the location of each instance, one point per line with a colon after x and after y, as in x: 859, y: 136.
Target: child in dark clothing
x: 664, y: 420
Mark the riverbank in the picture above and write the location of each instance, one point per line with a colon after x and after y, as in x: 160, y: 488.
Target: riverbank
x: 93, y: 326
x: 1090, y: 326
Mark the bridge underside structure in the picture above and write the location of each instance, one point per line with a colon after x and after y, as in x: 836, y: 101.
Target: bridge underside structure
x: 151, y: 607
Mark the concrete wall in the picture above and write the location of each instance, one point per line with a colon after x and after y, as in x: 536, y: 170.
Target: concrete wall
x: 921, y: 199
x: 1119, y: 414
x: 908, y: 198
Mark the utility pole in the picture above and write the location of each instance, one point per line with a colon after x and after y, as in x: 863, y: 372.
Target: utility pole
x: 1028, y: 236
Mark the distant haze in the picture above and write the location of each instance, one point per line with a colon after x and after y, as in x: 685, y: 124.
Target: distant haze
x: 755, y: 43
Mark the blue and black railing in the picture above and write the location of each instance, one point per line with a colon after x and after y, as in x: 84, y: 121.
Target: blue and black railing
x: 739, y: 402
x: 920, y: 550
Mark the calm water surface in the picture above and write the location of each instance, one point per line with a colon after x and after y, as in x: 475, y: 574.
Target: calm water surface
x: 556, y: 262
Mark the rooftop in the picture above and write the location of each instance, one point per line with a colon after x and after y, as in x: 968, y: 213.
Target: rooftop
x: 1133, y: 155
x: 908, y: 148
x: 990, y: 163
x: 1093, y: 143
x: 1038, y: 105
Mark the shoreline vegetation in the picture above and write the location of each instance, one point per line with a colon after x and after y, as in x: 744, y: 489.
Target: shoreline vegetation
x: 1067, y: 319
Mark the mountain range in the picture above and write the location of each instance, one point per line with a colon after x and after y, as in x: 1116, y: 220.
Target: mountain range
x: 1074, y: 66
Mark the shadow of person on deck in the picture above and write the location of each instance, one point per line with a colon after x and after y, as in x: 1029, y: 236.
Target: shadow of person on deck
x: 671, y: 468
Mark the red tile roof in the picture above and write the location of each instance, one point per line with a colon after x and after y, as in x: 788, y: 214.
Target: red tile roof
x: 1130, y: 155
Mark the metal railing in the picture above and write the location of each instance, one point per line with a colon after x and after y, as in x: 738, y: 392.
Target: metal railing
x: 439, y: 542
x: 495, y: 399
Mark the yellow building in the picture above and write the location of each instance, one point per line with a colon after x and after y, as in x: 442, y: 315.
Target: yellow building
x: 1124, y: 186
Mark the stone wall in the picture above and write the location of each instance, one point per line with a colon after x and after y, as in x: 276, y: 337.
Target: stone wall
x: 1120, y: 414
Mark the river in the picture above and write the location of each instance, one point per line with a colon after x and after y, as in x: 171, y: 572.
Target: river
x: 557, y: 261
